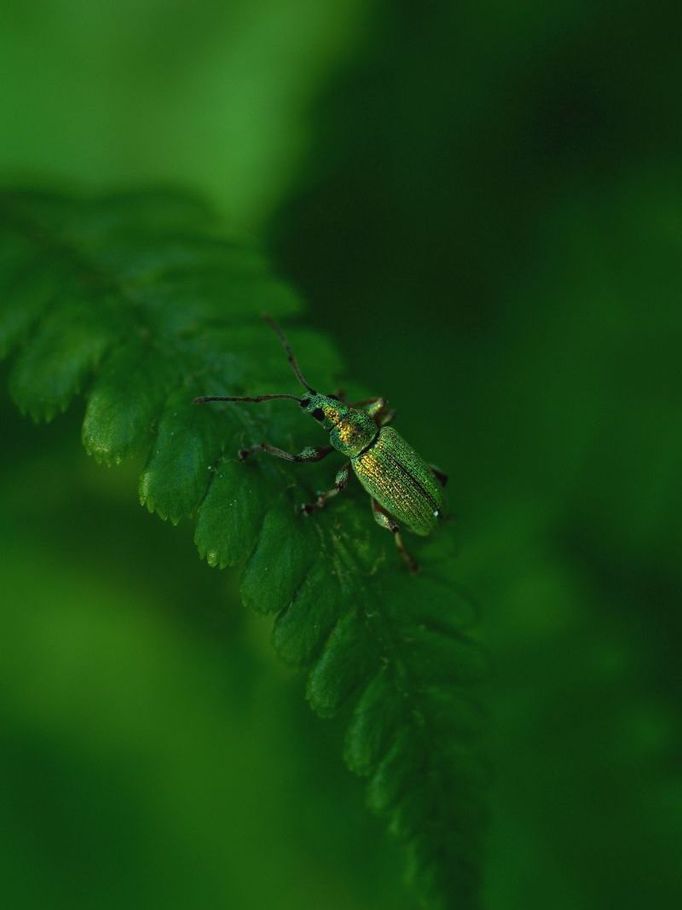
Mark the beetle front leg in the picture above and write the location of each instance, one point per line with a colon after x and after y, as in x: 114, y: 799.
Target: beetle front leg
x: 378, y: 408
x: 386, y: 417
x: 383, y: 519
x: 305, y: 455
x: 340, y: 482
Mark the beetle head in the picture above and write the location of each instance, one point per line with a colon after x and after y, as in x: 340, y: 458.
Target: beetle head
x: 350, y: 429
x: 327, y: 410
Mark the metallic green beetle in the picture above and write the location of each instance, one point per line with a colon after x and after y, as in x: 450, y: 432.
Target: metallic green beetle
x: 404, y: 489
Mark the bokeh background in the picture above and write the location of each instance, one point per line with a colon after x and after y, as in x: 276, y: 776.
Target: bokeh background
x: 482, y: 202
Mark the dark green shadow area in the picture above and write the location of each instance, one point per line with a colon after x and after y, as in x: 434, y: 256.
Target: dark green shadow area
x: 491, y: 223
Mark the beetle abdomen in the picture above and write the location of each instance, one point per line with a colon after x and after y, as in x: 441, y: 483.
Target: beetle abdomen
x: 400, y: 481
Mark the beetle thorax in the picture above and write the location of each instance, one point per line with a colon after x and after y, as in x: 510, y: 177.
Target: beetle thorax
x: 353, y: 432
x: 350, y: 429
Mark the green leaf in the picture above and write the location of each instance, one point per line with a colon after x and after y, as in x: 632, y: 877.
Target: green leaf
x: 26, y: 288
x: 54, y: 363
x: 373, y: 724
x: 301, y: 628
x: 280, y: 562
x: 232, y: 514
x: 187, y: 445
x: 344, y: 665
x: 125, y: 400
x: 140, y: 302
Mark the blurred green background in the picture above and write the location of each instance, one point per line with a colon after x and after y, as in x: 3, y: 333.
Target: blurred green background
x: 482, y: 202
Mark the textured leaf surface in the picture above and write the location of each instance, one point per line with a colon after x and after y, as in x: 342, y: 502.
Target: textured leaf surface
x: 139, y: 302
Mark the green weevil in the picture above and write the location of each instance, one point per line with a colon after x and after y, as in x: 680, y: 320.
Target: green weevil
x: 404, y: 489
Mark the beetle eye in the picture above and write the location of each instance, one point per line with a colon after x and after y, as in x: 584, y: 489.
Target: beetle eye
x: 304, y: 402
x: 318, y: 414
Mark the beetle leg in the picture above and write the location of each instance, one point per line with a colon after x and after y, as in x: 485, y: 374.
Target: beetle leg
x: 309, y: 454
x: 365, y: 402
x: 440, y: 476
x: 340, y: 482
x: 386, y: 417
x: 383, y: 519
x: 378, y: 408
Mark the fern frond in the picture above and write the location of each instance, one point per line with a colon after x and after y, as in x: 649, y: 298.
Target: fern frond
x: 141, y: 301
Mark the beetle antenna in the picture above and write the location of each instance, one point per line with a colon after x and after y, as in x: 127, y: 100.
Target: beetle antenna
x: 291, y: 357
x: 202, y: 399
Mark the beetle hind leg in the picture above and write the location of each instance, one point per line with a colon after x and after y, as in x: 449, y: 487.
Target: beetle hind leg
x: 384, y: 520
x: 440, y: 476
